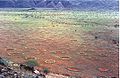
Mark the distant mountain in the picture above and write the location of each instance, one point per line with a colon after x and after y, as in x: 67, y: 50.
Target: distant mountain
x: 53, y: 4
x: 50, y: 4
x: 62, y: 4
x: 5, y: 3
x: 99, y: 4
x: 24, y: 3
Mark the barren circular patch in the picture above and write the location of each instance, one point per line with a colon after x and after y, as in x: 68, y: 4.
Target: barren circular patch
x: 50, y: 61
x: 74, y: 69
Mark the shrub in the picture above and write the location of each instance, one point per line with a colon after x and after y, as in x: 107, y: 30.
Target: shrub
x: 116, y: 25
x: 31, y: 63
x: 46, y: 70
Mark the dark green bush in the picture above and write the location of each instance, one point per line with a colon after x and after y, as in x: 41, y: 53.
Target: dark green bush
x: 32, y: 63
x: 46, y: 70
x: 116, y: 25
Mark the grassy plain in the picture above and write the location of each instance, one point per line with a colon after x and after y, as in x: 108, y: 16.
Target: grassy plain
x: 77, y: 43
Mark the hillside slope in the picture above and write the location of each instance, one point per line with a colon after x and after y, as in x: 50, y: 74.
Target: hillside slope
x: 69, y: 4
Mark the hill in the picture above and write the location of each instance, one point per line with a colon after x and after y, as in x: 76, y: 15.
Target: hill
x: 64, y: 4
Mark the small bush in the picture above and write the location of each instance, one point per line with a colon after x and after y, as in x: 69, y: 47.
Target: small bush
x: 46, y: 70
x: 31, y: 63
x: 116, y: 25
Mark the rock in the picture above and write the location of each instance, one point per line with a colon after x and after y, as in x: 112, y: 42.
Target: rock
x: 40, y: 76
x: 36, y: 72
x: 26, y: 76
x: 10, y: 63
x: 4, y: 70
x: 16, y: 65
x: 5, y: 62
x: 9, y: 72
x: 2, y: 76
x: 27, y: 68
x: 15, y: 75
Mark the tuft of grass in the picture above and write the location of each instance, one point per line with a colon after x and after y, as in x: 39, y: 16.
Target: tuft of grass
x: 32, y: 63
x: 46, y: 70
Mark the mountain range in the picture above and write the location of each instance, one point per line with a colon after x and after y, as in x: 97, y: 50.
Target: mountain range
x: 62, y: 4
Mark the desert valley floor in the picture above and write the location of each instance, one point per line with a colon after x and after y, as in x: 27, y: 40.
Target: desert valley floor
x: 75, y: 43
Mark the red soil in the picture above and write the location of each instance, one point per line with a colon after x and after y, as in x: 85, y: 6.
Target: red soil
x: 61, y: 54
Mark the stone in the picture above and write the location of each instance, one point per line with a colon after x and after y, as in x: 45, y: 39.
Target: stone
x: 36, y: 72
x: 2, y: 76
x: 16, y: 65
x: 27, y: 76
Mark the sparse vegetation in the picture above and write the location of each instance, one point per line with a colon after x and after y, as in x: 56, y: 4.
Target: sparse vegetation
x: 116, y: 25
x: 46, y: 70
x: 34, y: 34
x: 32, y: 63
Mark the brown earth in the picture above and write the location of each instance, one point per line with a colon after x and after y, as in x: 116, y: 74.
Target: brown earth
x: 68, y: 51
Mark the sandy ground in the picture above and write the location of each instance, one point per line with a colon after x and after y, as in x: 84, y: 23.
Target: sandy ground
x: 66, y: 50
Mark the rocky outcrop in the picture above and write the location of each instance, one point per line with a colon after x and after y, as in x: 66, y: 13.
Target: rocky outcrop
x: 9, y: 69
